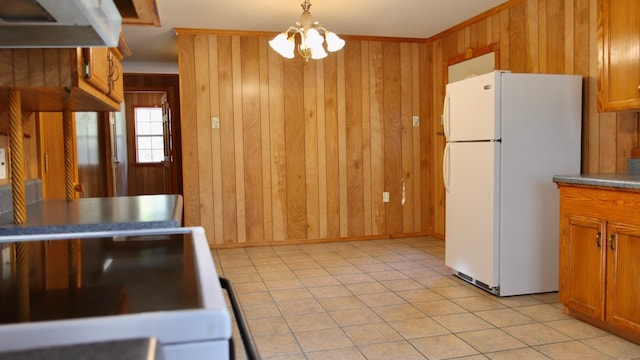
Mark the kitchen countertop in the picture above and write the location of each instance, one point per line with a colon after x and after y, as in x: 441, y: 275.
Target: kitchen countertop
x: 620, y: 181
x: 97, y: 214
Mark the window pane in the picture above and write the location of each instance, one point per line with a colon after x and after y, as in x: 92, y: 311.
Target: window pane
x: 144, y: 142
x: 145, y: 156
x: 156, y: 128
x: 157, y: 142
x: 158, y: 155
x: 143, y: 128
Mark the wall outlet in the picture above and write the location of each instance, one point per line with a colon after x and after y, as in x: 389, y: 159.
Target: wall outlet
x: 416, y: 121
x: 3, y: 164
x: 215, y: 122
x: 385, y: 196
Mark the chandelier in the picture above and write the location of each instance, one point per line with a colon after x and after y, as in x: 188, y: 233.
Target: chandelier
x: 310, y: 45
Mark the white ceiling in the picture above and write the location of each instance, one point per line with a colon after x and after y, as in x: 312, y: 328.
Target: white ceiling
x: 157, y: 46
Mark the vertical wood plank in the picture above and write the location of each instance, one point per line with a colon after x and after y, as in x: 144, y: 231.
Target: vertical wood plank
x: 311, y: 150
x: 322, y: 150
x: 376, y: 105
x: 531, y: 47
x: 278, y: 147
x: 426, y: 135
x: 191, y: 208
x: 392, y: 137
x: 238, y: 122
x: 569, y: 35
x: 417, y: 133
x: 265, y: 133
x: 52, y: 68
x: 36, y: 63
x: 216, y: 142
x: 342, y: 144
x: 627, y: 138
x: 608, y: 136
x: 594, y: 118
x: 517, y: 37
x: 203, y: 132
x: 353, y: 146
x: 227, y: 152
x: 406, y: 138
x: 556, y: 44
x: 295, y: 151
x: 366, y: 138
x: 249, y: 62
x: 504, y: 39
x: 437, y: 188
x: 333, y: 194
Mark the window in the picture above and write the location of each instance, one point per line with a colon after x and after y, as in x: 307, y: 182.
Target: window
x: 149, y: 135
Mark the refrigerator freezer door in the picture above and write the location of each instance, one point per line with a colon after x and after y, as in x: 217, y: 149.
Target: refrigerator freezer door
x: 470, y: 109
x: 472, y: 209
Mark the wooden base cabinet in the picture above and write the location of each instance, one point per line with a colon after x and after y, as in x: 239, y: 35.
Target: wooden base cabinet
x: 600, y: 257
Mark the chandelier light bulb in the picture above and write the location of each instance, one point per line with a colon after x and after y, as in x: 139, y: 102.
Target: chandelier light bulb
x: 283, y: 45
x: 334, y: 43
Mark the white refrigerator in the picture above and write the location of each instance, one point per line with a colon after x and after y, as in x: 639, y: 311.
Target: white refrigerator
x: 507, y: 135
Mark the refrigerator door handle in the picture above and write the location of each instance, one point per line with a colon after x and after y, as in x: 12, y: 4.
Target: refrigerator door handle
x: 446, y: 116
x: 445, y: 168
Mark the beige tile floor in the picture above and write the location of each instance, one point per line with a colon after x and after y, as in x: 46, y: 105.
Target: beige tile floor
x: 395, y: 299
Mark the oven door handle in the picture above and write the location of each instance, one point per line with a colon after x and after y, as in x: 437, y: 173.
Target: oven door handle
x: 247, y: 341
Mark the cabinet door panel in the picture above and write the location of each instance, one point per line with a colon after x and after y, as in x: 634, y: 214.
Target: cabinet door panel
x: 619, y: 60
x: 582, y: 264
x: 623, y: 284
x: 97, y: 72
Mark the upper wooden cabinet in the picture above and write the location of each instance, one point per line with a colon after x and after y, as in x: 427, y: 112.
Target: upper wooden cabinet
x: 54, y: 79
x: 138, y: 12
x: 618, y: 55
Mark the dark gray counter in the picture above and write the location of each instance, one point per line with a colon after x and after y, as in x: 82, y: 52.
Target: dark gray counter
x: 621, y: 181
x: 97, y: 214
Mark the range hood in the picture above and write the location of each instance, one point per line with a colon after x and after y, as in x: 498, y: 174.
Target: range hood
x: 59, y: 23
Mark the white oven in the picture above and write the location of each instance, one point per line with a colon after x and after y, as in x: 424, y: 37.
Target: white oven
x: 103, y: 286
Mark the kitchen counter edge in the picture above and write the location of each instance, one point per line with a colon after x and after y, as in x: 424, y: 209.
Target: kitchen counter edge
x: 619, y: 181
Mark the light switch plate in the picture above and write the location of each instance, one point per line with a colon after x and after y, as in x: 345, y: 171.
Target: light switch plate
x: 416, y: 121
x: 215, y: 122
x: 3, y: 164
x: 385, y: 196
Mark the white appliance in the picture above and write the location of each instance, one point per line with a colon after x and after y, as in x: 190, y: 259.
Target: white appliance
x: 57, y: 23
x: 507, y: 135
x: 178, y: 300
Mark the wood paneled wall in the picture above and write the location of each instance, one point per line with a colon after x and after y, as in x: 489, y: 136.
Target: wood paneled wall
x: 304, y: 151
x: 536, y: 36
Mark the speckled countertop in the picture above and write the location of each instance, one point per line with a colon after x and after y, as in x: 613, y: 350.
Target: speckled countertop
x: 621, y: 181
x: 97, y: 214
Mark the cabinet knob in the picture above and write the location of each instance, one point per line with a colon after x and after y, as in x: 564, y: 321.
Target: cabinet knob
x: 598, y: 236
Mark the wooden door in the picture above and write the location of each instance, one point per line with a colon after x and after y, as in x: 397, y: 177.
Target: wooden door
x: 623, y: 286
x: 52, y: 155
x: 168, y: 143
x: 582, y: 264
x: 145, y: 178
